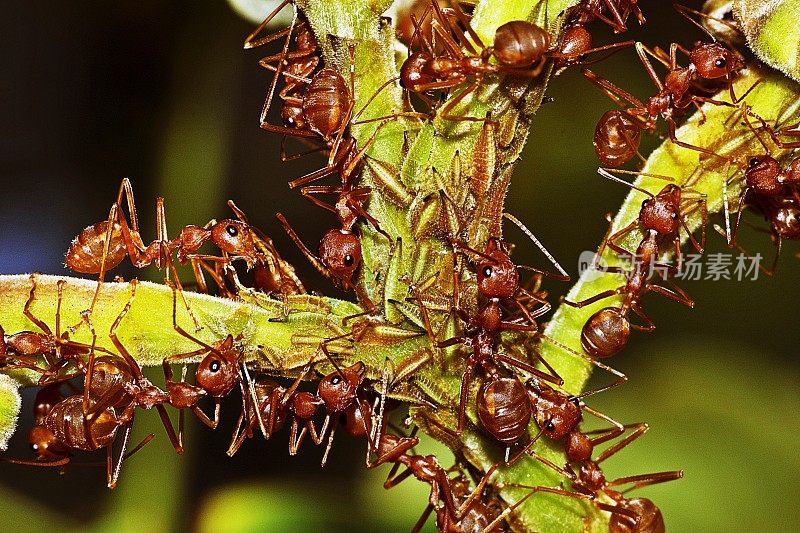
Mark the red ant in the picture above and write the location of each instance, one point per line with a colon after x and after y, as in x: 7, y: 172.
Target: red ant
x: 56, y: 348
x: 771, y: 191
x: 274, y: 404
x: 119, y: 383
x: 519, y: 47
x: 558, y: 416
x: 65, y: 428
x: 587, y: 11
x: 707, y: 61
x: 498, y: 282
x: 104, y: 245
x: 607, y: 331
x: 628, y: 514
x: 663, y: 213
x: 451, y: 516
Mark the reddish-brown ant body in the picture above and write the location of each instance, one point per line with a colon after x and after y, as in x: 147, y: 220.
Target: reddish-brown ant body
x: 771, y: 191
x: 104, y: 245
x: 677, y: 92
x: 607, y: 331
x: 451, y: 516
x: 519, y: 47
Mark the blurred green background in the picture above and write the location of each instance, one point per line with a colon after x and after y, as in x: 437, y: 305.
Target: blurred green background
x: 162, y: 92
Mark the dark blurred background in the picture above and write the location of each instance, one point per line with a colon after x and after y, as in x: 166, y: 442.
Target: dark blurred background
x: 162, y: 92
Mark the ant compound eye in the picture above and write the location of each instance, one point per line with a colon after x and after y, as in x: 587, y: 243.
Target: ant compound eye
x: 754, y: 161
x: 721, y: 62
x: 645, y: 204
x: 674, y: 216
x: 549, y: 426
x: 336, y: 380
x: 215, y: 366
x: 232, y: 231
x: 349, y: 260
x: 35, y: 447
x: 487, y: 271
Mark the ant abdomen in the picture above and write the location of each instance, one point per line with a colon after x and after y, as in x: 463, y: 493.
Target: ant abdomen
x: 605, y: 333
x: 85, y: 253
x: 68, y: 423
x: 520, y: 44
x: 648, y: 517
x: 786, y: 221
x: 326, y: 103
x: 504, y: 409
x: 616, y: 138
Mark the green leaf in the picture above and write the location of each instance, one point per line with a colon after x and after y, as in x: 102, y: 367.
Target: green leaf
x: 10, y: 403
x: 772, y: 32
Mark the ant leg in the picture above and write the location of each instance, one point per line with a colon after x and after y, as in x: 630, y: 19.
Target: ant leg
x: 453, y: 102
x: 649, y: 324
x: 313, y: 259
x: 621, y: 97
x: 466, y: 378
x: 645, y: 480
x: 113, y: 476
x: 676, y: 293
x: 671, y: 129
x: 134, y: 366
x: 308, y: 192
x: 596, y: 298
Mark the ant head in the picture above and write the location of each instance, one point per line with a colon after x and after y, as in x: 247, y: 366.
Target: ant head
x: 45, y: 444
x: 578, y: 447
x: 605, y: 333
x: 555, y: 412
x: 713, y: 60
x: 413, y: 72
x: 520, y: 44
x: 762, y: 175
x: 786, y: 221
x: 292, y: 115
x: 236, y: 238
x: 662, y: 213
x: 592, y: 476
x: 497, y: 277
x: 218, y: 372
x: 338, y: 389
x: 576, y: 40
x: 340, y: 251
x: 648, y: 515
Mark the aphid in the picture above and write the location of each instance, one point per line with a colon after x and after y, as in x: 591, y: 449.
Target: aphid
x: 616, y: 138
x: 607, y: 331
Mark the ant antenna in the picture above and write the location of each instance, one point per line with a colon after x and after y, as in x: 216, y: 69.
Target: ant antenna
x: 533, y: 238
x: 609, y: 176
